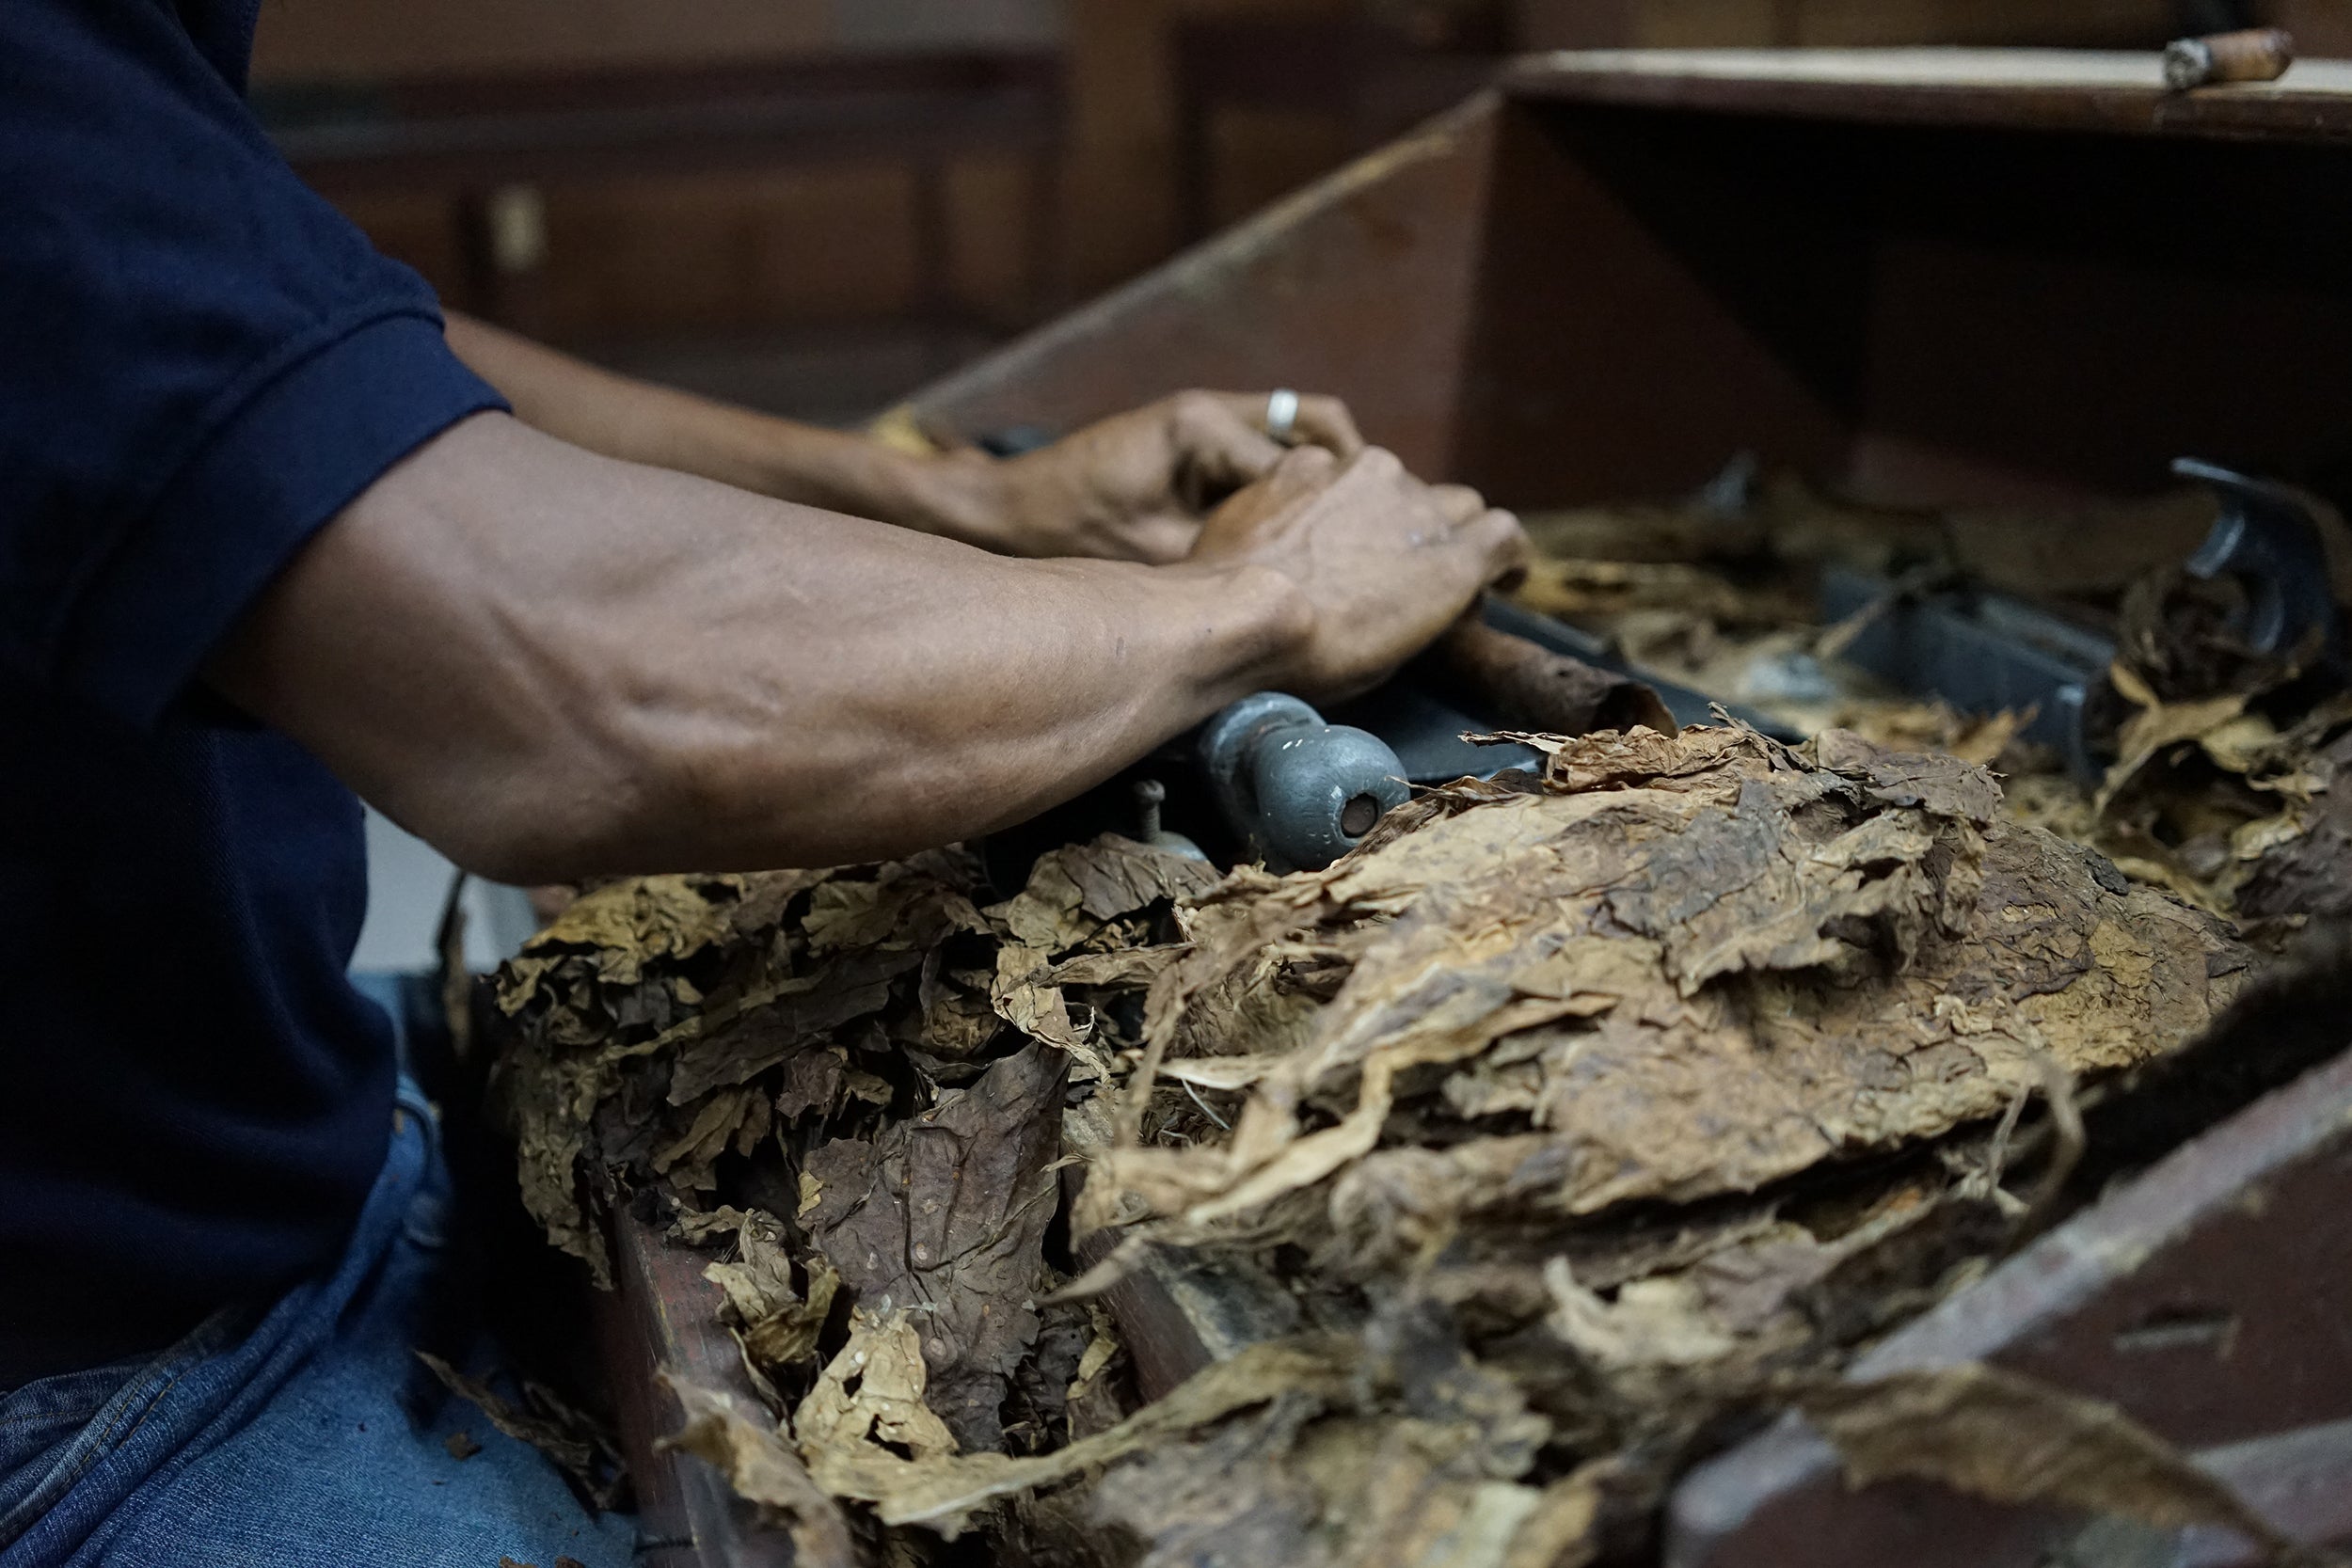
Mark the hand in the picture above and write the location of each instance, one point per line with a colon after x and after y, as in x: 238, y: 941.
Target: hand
x: 1136, y: 486
x: 1384, y: 562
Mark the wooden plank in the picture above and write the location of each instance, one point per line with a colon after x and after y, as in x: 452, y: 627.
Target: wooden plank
x: 663, y: 1316
x: 2040, y: 88
x: 2204, y: 1297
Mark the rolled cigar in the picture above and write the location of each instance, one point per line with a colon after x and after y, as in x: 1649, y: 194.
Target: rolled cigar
x: 2256, y: 54
x: 1517, y: 685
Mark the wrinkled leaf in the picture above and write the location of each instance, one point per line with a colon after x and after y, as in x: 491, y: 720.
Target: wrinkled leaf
x: 745, y: 1447
x: 944, y: 1217
x: 2012, y: 1439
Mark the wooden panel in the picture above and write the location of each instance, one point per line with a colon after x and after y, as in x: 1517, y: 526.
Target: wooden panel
x: 722, y: 250
x: 1998, y: 89
x: 2076, y: 24
x: 1645, y: 310
x: 2321, y: 27
x: 1359, y: 286
x: 1936, y: 315
x: 1939, y: 275
x: 363, y: 40
x: 1717, y: 24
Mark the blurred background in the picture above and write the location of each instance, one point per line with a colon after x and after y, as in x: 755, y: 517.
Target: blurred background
x: 814, y: 206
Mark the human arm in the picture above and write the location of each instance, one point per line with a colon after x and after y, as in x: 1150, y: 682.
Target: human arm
x: 1133, y: 487
x: 551, y: 664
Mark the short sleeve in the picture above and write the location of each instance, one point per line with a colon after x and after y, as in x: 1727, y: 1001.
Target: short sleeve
x: 206, y: 361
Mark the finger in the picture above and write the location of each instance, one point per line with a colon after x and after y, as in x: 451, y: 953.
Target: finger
x: 1459, y: 502
x: 1289, y: 491
x: 1301, y: 472
x: 1326, y: 422
x: 1503, y: 545
x: 1374, y: 466
x: 1218, y: 445
x: 1320, y: 421
x: 1161, y: 540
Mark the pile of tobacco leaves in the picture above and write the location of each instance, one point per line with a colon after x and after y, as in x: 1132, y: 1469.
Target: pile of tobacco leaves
x: 1445, y: 1205
x: 2219, y: 759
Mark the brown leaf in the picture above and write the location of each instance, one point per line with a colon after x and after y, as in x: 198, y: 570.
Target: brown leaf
x: 942, y: 1493
x: 628, y: 925
x: 777, y: 1327
x: 1720, y: 963
x: 2310, y: 872
x: 948, y: 1222
x: 1943, y: 785
x: 565, y: 1435
x: 2009, y: 1438
x: 1072, y: 893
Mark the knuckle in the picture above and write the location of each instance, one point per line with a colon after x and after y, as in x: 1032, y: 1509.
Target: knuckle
x: 1459, y: 500
x: 1312, y: 461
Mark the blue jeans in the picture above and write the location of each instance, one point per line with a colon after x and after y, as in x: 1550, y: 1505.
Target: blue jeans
x: 289, y: 1438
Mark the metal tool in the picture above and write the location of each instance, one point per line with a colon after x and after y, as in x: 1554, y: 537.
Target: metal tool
x: 1151, y: 797
x: 1296, y: 791
x: 1985, y: 652
x: 1980, y: 652
x: 2268, y: 539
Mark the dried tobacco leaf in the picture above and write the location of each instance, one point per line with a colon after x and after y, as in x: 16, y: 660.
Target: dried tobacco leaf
x: 1281, y: 1488
x: 945, y: 1216
x: 576, y: 1443
x: 857, y: 1442
x: 776, y: 1326
x: 746, y: 1446
x: 1425, y: 1467
x: 1073, y: 892
x: 2000, y: 1436
x: 654, y: 1003
x: 1521, y: 1058
x: 1692, y: 967
x: 865, y: 1417
x: 2307, y: 868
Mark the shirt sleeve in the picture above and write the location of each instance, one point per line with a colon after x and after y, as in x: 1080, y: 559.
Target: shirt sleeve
x: 206, y: 361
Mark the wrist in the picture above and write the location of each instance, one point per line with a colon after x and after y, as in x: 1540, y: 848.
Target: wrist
x: 952, y: 494
x: 963, y: 495
x: 1256, y: 627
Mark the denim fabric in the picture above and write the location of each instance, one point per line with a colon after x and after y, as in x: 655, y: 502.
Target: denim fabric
x: 306, y: 1434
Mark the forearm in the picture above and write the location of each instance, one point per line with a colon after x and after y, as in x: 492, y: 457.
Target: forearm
x: 551, y: 664
x: 617, y: 417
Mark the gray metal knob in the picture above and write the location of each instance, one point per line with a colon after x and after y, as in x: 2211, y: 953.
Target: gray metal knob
x: 1299, y: 792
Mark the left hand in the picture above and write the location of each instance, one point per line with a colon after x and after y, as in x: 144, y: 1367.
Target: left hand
x: 1136, y: 486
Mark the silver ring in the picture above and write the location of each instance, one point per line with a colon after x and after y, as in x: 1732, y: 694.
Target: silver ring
x: 1282, y: 414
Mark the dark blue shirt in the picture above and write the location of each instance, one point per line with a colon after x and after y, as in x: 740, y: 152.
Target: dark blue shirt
x: 201, y: 363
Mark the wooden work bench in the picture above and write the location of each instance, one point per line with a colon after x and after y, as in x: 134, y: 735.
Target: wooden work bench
x: 1929, y: 277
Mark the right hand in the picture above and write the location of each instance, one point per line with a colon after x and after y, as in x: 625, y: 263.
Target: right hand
x: 1384, y: 561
